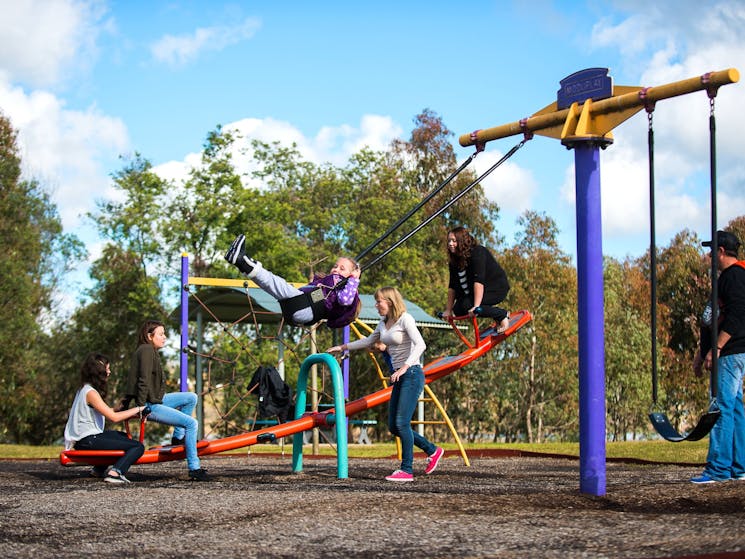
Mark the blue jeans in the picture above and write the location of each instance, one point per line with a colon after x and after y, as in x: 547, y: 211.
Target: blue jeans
x: 726, y: 457
x: 404, y: 398
x: 176, y: 410
x: 113, y: 440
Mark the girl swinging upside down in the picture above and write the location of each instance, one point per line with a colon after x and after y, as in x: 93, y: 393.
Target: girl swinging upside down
x: 331, y: 297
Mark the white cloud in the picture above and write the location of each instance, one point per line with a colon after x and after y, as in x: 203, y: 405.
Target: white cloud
x: 69, y: 151
x: 509, y: 185
x: 177, y: 171
x: 178, y: 50
x: 669, y: 46
x: 624, y: 197
x: 44, y: 43
x: 41, y: 41
x: 332, y: 144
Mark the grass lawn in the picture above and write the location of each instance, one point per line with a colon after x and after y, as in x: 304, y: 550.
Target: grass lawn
x: 654, y: 451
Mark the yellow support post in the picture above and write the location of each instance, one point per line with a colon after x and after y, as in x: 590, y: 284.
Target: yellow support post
x: 445, y: 421
x: 227, y: 282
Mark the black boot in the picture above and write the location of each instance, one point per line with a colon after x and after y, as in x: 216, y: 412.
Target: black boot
x: 238, y: 258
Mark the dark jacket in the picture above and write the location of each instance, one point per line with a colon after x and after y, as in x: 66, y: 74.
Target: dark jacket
x: 145, y: 382
x: 731, y: 291
x: 336, y: 313
x: 481, y: 267
x: 275, y: 396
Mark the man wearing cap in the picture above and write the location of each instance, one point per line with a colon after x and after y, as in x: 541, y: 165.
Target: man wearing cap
x: 726, y: 456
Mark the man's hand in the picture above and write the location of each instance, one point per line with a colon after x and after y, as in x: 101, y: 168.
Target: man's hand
x: 707, y: 361
x: 698, y: 363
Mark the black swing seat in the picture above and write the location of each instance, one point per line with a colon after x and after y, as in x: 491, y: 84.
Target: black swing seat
x: 665, y: 429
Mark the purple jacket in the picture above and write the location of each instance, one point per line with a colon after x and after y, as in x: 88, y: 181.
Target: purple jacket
x: 341, y: 305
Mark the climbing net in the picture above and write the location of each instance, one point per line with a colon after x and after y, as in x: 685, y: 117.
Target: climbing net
x: 233, y: 336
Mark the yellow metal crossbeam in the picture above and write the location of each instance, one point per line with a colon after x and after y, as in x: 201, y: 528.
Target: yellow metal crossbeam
x: 226, y: 282
x: 596, y: 119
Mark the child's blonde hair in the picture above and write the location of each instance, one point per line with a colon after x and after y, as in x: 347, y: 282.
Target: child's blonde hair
x: 394, y: 299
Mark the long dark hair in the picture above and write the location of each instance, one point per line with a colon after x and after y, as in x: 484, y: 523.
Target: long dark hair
x: 93, y: 372
x: 147, y: 328
x: 462, y: 253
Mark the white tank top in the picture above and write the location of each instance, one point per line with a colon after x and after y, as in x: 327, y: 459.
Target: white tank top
x: 83, y: 419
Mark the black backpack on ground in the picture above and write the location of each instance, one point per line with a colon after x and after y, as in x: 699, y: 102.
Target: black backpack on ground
x: 275, y: 395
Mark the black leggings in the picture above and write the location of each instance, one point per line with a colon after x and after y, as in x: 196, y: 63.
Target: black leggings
x: 114, y: 440
x: 462, y: 306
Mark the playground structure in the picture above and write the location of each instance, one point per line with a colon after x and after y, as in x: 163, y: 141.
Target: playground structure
x: 587, y: 109
x: 304, y: 420
x: 227, y: 303
x: 482, y: 343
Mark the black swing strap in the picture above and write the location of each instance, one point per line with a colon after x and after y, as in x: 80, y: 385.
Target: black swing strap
x: 313, y: 299
x: 445, y: 206
x: 712, y: 92
x: 660, y: 422
x: 416, y: 208
x: 652, y: 243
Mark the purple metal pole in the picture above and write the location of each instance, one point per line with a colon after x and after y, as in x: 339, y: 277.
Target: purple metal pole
x: 590, y: 317
x: 345, y: 363
x: 184, y: 321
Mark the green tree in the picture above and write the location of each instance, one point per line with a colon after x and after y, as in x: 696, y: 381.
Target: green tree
x: 195, y: 214
x: 526, y: 389
x: 737, y: 226
x: 35, y: 257
x: 683, y: 288
x: 627, y: 349
x: 128, y: 279
x: 542, y: 383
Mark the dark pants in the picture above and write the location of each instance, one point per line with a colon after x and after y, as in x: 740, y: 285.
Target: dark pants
x: 462, y: 306
x: 487, y: 308
x: 114, y: 440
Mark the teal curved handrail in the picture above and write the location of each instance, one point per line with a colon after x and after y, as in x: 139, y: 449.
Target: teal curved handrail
x: 342, y: 461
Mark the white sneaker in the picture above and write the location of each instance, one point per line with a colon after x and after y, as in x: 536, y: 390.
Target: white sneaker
x: 115, y: 478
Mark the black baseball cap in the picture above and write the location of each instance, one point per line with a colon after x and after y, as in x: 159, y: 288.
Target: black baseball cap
x: 728, y: 241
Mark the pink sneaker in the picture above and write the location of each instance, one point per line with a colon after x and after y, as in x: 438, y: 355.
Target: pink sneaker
x: 400, y: 475
x: 433, y: 460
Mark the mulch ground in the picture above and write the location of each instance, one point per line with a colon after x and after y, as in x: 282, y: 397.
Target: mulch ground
x: 257, y: 507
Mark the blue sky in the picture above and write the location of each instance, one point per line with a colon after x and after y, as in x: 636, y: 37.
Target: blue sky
x: 87, y: 81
